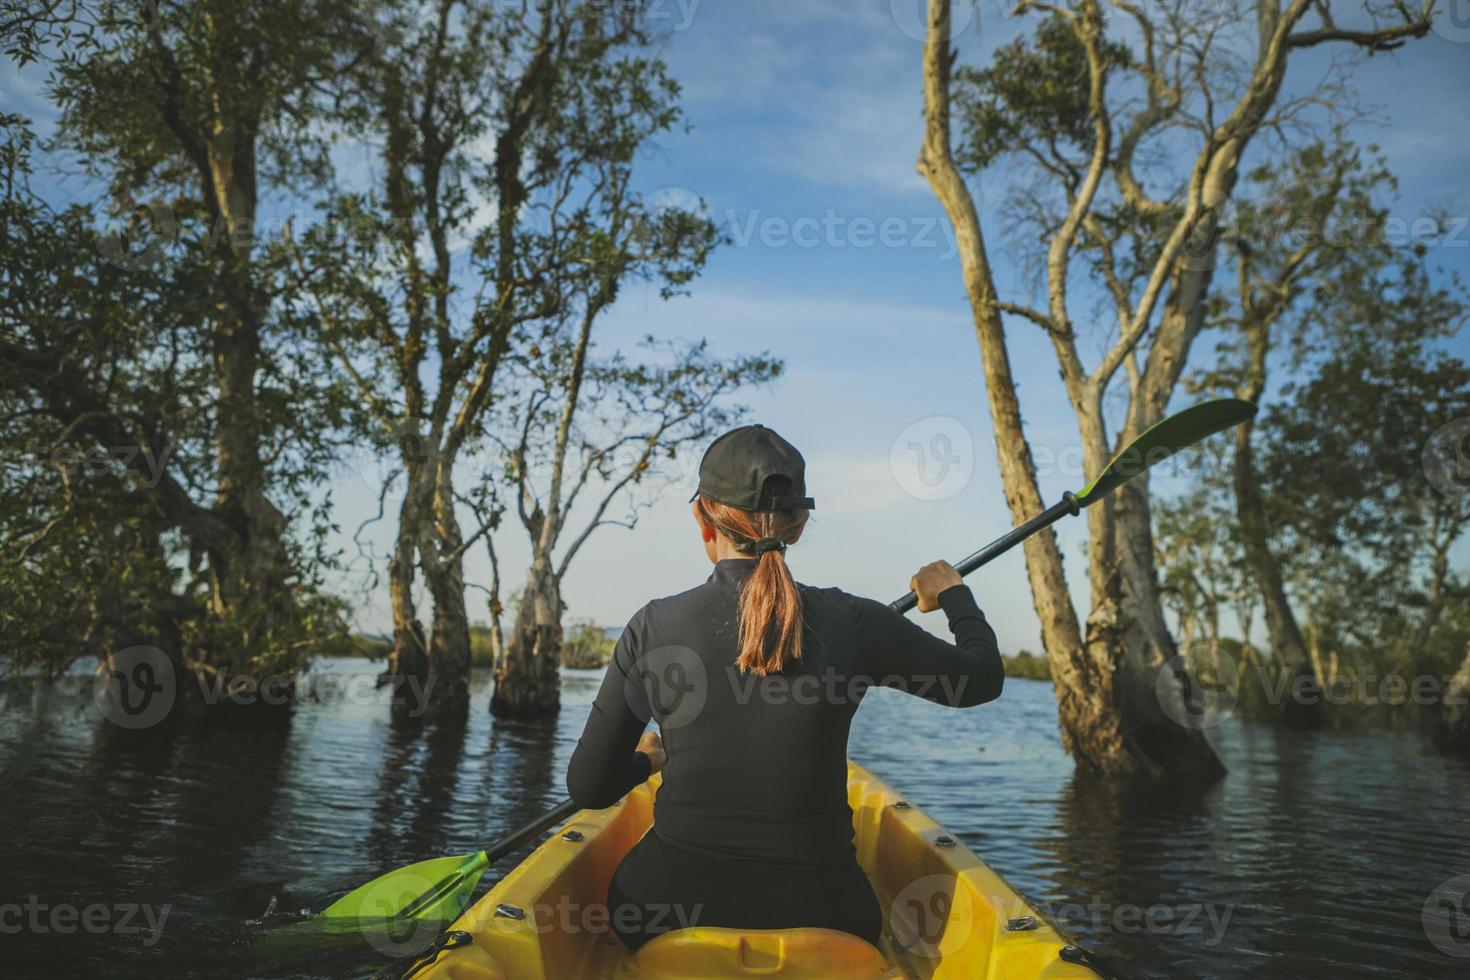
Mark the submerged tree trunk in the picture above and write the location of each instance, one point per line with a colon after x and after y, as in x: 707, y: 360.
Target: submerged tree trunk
x: 1453, y: 735
x: 408, y: 663
x: 1160, y: 701
x: 527, y: 684
x: 449, y: 636
x: 1302, y: 706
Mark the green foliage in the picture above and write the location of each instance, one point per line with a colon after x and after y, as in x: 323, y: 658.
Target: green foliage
x: 1033, y: 92
x: 169, y: 423
x: 1343, y: 472
x: 1029, y: 666
x: 1201, y: 565
x: 586, y: 647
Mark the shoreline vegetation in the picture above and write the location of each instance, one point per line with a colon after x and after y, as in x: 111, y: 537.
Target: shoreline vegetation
x: 586, y: 646
x: 590, y: 647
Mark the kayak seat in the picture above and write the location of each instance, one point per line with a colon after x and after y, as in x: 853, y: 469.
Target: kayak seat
x: 791, y: 954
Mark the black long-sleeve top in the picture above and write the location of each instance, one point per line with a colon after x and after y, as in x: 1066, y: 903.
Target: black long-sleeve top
x: 757, y: 766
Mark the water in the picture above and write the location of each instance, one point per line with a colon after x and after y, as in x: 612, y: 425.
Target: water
x: 1314, y: 858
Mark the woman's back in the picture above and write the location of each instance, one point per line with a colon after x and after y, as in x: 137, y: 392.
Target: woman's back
x: 757, y: 765
x: 753, y: 681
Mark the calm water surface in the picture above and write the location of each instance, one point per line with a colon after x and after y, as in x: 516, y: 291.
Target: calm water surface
x: 1314, y: 858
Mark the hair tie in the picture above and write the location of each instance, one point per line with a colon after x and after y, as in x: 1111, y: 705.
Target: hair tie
x: 768, y: 544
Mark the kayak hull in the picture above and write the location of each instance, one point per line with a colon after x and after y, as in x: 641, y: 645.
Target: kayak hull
x: 946, y: 914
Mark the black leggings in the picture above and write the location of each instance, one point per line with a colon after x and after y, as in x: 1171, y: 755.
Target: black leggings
x: 661, y: 887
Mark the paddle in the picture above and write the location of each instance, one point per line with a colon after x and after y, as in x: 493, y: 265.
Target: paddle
x: 439, y: 889
x: 1153, y: 446
x: 436, y: 890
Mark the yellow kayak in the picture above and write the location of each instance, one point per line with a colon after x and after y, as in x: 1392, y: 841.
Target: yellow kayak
x: 945, y: 913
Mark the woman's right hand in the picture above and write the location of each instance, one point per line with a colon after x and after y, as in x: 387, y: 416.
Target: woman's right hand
x: 931, y: 580
x: 653, y: 747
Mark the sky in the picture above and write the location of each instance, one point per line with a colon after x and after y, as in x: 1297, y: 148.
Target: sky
x: 806, y: 121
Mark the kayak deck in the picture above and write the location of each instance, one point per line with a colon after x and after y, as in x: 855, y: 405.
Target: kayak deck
x: 945, y: 913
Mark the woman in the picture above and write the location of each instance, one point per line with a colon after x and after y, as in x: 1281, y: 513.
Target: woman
x: 754, y: 680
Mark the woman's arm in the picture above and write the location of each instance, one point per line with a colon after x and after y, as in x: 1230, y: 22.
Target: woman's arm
x: 606, y: 764
x: 898, y: 653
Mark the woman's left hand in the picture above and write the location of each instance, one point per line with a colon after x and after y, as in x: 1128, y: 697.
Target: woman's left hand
x: 653, y: 747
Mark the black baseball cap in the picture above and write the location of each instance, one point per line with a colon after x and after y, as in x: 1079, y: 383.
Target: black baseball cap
x: 753, y: 468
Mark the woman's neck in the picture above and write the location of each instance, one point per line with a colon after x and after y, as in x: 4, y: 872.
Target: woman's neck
x: 725, y: 549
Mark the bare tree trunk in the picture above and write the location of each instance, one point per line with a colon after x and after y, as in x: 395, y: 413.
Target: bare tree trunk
x: 496, y: 607
x: 1155, y: 689
x: 449, y: 636
x: 408, y: 663
x: 1109, y: 716
x: 527, y: 685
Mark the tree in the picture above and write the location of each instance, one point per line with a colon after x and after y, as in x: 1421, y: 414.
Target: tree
x: 1313, y: 228
x: 1081, y: 109
x: 1198, y: 551
x: 89, y: 493
x: 602, y: 428
x: 505, y: 137
x: 189, y: 112
x: 1368, y: 535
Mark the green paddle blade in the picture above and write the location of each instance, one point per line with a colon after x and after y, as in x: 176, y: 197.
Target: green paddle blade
x: 438, y: 889
x: 397, y: 913
x: 1165, y: 439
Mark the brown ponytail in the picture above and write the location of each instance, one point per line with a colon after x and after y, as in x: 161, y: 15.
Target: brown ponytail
x: 770, y: 604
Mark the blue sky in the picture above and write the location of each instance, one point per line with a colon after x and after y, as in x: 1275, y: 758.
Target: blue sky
x: 806, y: 123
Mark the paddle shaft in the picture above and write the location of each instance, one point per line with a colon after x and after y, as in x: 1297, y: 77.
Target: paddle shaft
x: 529, y: 831
x: 1066, y: 507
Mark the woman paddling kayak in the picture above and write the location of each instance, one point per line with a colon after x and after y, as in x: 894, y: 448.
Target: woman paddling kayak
x: 753, y: 680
